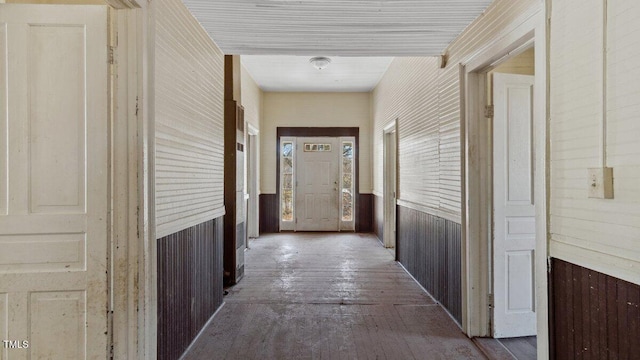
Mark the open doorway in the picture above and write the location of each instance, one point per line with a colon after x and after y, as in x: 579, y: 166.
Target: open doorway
x: 505, y: 188
x: 513, y: 233
x: 389, y: 165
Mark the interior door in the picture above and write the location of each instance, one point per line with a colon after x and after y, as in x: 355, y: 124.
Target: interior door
x: 317, y: 184
x: 514, y: 211
x: 53, y: 182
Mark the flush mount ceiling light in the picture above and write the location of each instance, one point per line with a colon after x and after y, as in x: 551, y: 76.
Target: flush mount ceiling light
x: 320, y: 62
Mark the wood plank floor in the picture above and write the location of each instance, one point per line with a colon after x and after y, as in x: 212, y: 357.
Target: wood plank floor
x: 328, y: 296
x: 520, y: 348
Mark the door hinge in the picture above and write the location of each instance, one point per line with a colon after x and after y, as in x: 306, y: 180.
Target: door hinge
x: 488, y: 111
x: 111, y: 50
x: 490, y: 300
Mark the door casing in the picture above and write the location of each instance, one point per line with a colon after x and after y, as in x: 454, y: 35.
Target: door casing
x: 290, y: 132
x: 390, y: 194
x: 476, y: 223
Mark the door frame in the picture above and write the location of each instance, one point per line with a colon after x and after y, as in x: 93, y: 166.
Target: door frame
x: 390, y: 190
x: 253, y: 182
x: 283, y: 132
x: 131, y: 264
x: 336, y: 158
x: 133, y: 245
x: 476, y: 170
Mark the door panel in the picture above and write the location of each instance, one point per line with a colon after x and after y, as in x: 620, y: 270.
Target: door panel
x: 53, y: 150
x: 317, y: 205
x: 514, y: 210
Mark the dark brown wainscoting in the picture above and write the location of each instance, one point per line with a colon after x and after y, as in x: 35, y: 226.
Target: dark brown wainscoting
x: 364, y: 213
x: 269, y: 222
x: 189, y: 284
x: 593, y: 315
x: 378, y: 217
x: 429, y: 247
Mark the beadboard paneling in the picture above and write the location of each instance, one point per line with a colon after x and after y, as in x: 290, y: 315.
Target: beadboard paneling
x: 364, y: 213
x: 429, y: 248
x: 189, y: 82
x: 594, y: 316
x: 269, y: 211
x: 425, y: 100
x: 269, y: 221
x: 189, y: 284
x: 603, y: 235
x: 336, y: 27
x: 378, y: 217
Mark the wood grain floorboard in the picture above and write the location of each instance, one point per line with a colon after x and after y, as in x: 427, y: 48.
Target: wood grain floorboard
x: 328, y: 296
x: 523, y: 348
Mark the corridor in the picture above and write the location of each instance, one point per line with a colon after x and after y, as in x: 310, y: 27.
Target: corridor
x: 328, y: 296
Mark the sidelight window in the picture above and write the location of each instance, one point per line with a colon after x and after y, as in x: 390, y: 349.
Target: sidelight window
x: 287, y: 179
x: 347, y: 178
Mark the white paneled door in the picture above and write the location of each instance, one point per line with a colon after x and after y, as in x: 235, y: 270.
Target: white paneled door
x: 514, y: 211
x: 317, y: 184
x: 53, y: 198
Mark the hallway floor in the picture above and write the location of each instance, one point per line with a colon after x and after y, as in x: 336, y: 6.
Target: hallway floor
x: 328, y: 296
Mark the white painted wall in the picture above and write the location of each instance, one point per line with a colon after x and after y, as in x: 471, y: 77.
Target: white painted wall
x: 603, y: 235
x: 522, y: 64
x: 189, y: 83
x: 426, y: 101
x: 251, y: 98
x: 314, y: 110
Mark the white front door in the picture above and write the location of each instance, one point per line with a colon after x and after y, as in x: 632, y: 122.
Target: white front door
x: 317, y: 180
x: 53, y: 181
x: 514, y: 211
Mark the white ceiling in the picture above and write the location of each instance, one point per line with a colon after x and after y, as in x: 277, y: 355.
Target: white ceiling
x: 295, y: 73
x: 346, y: 28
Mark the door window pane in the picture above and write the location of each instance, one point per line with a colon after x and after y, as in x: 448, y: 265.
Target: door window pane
x: 286, y: 183
x: 347, y: 181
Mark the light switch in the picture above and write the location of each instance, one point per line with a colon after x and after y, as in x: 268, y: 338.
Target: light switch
x: 600, y: 183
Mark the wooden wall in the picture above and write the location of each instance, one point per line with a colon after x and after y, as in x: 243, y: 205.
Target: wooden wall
x: 269, y: 214
x: 364, y: 214
x: 425, y: 101
x: 189, y: 284
x: 593, y: 315
x: 429, y: 247
x: 378, y: 217
x: 269, y: 220
x: 596, y: 233
x: 189, y: 90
